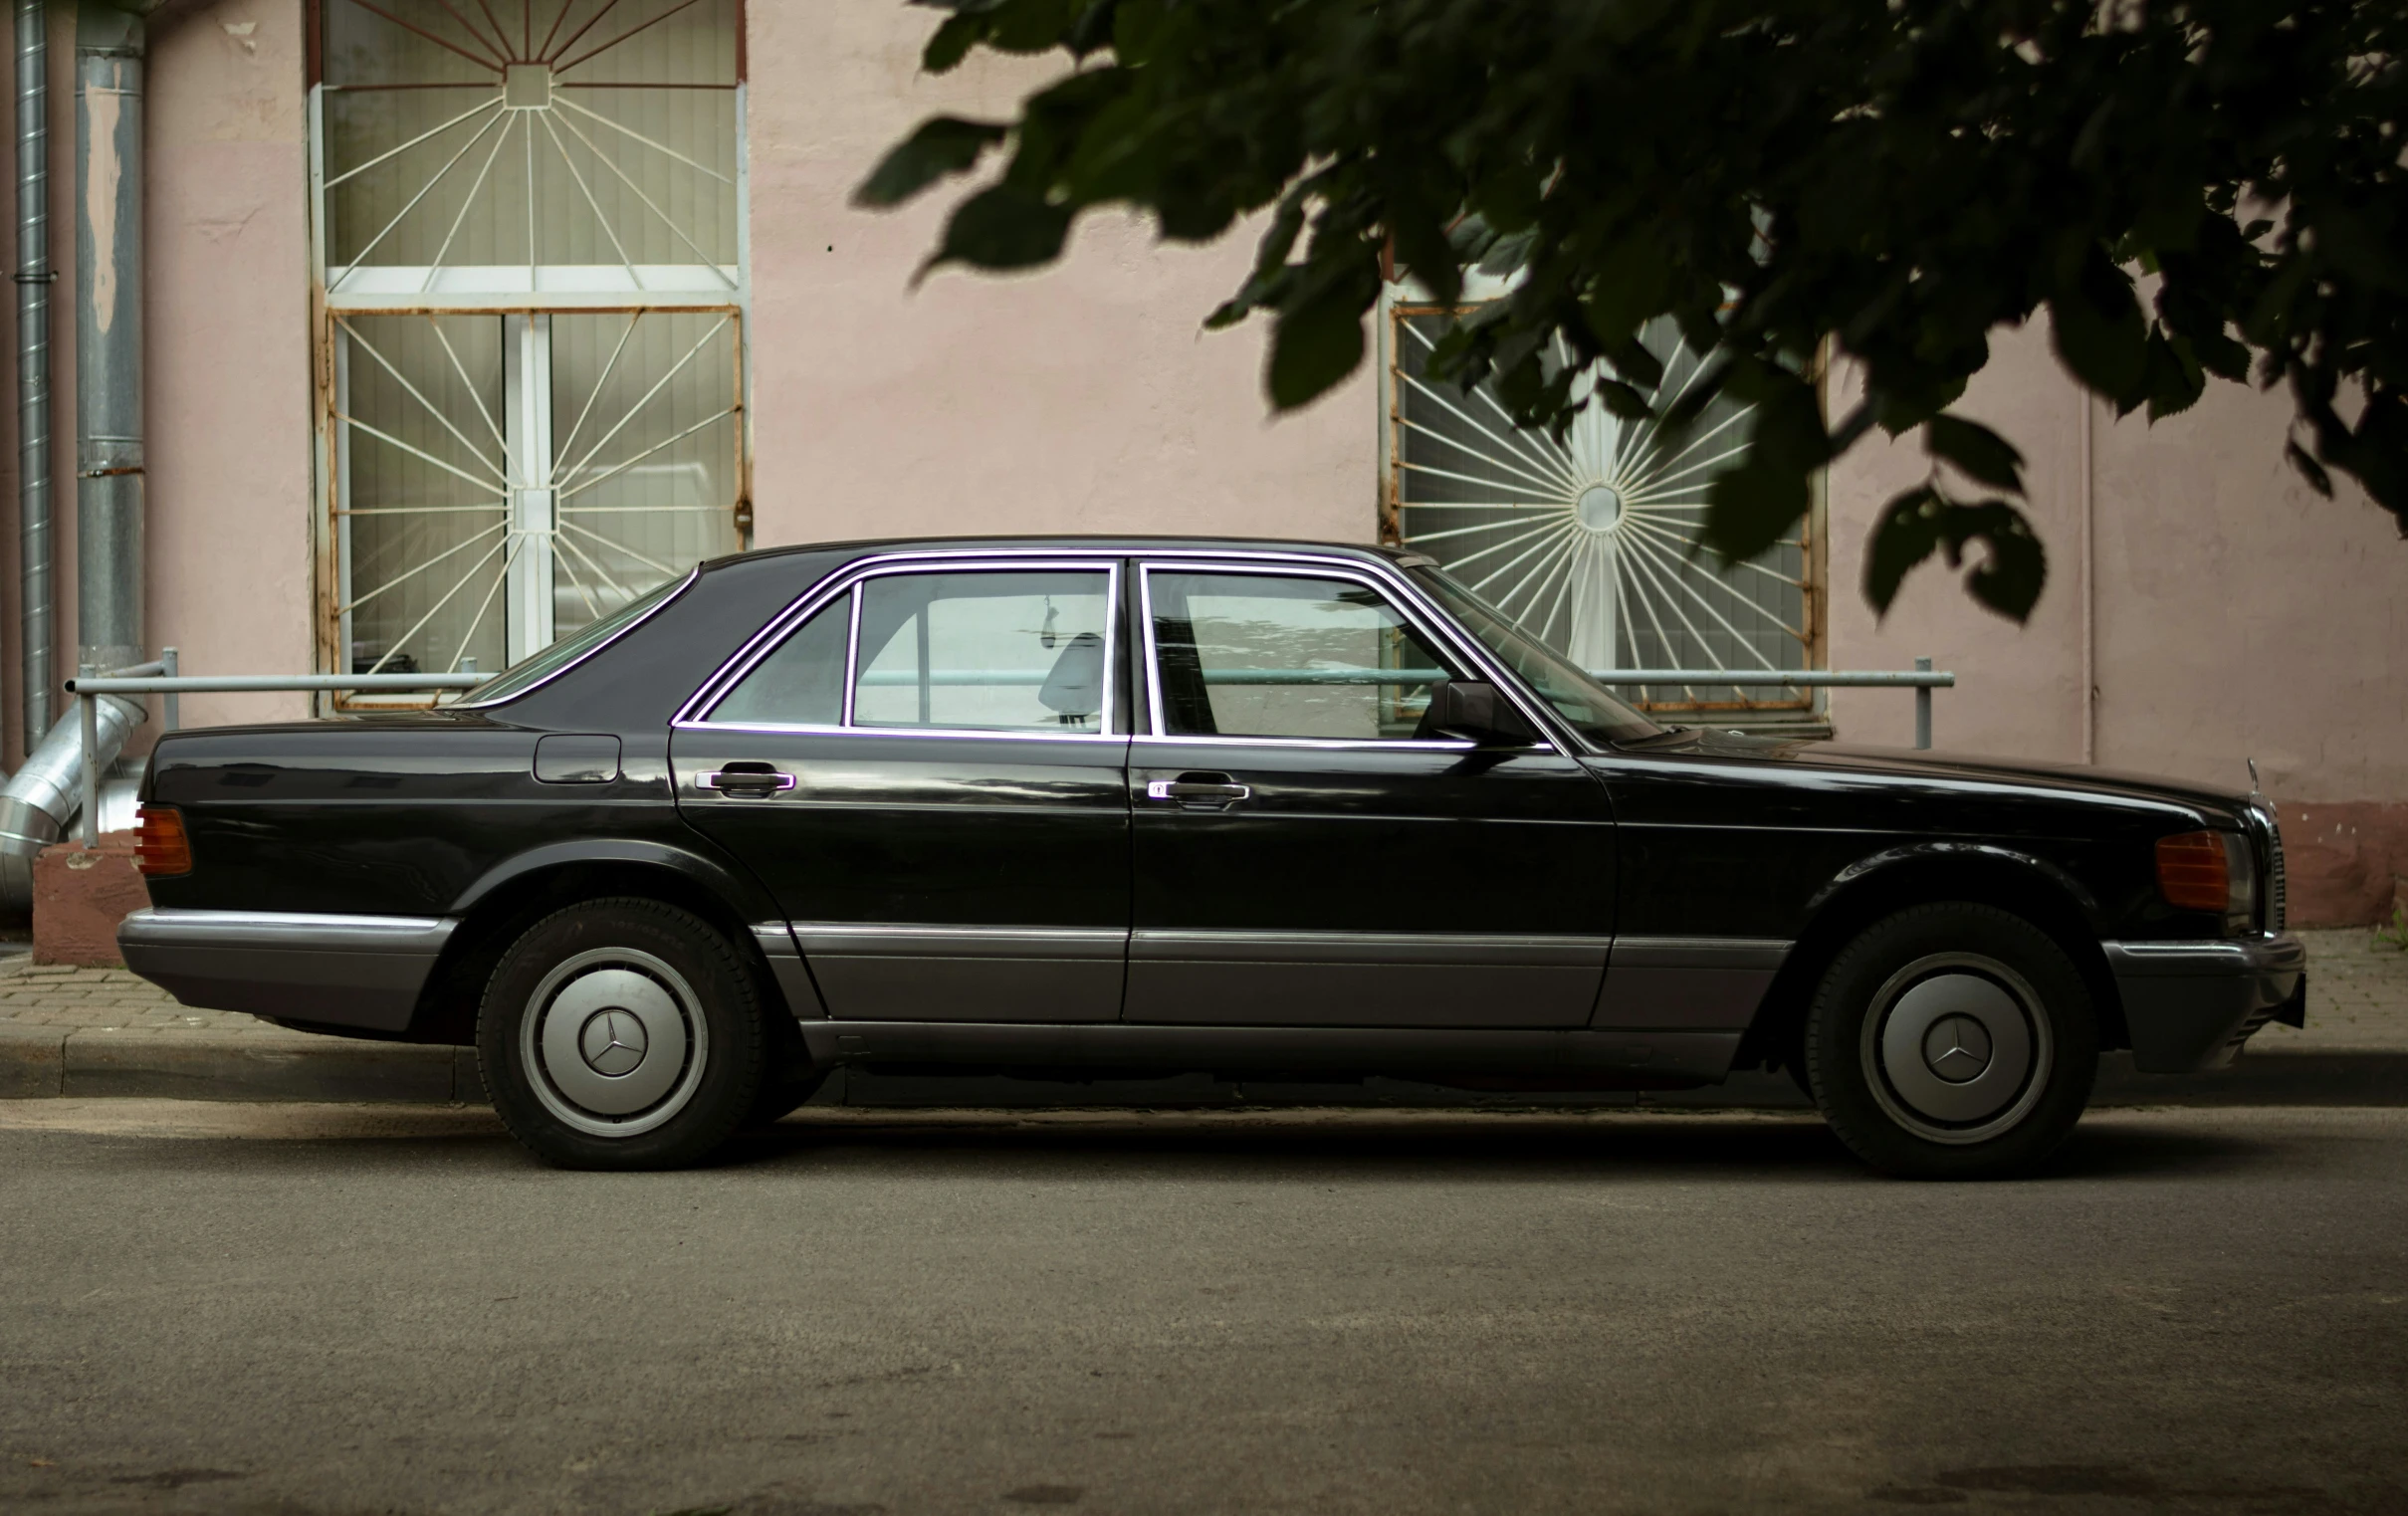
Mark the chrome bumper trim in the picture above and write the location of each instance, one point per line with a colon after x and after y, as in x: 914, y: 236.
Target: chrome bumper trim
x: 361, y: 972
x: 2189, y: 1006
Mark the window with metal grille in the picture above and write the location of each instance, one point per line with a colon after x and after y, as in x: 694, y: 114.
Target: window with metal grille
x: 1592, y: 540
x: 529, y: 279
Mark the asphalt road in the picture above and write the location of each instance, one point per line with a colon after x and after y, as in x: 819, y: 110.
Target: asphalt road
x: 317, y: 1309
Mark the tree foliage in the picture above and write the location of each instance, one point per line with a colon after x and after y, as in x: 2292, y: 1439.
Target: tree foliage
x: 2195, y: 189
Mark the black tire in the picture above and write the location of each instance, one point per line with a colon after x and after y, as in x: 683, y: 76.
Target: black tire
x: 1952, y: 1041
x: 622, y: 1033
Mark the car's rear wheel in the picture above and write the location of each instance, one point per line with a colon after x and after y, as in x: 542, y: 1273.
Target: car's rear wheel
x: 622, y: 1034
x: 1952, y: 1041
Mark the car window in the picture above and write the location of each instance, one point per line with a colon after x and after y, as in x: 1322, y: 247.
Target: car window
x: 801, y: 684
x: 534, y: 671
x: 1003, y: 651
x: 1279, y: 655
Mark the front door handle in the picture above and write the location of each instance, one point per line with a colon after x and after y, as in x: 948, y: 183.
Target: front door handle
x: 745, y: 780
x: 1198, y: 790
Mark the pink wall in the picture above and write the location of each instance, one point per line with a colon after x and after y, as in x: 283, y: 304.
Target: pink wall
x: 1080, y: 398
x: 228, y: 383
x: 2237, y: 614
x: 227, y: 392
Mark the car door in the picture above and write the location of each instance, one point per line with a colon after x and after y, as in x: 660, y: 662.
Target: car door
x: 924, y: 765
x: 1304, y: 854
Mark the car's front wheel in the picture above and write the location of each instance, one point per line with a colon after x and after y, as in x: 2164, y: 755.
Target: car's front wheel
x: 622, y: 1034
x: 1952, y: 1041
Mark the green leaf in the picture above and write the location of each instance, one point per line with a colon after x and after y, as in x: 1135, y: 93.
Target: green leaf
x: 1920, y: 522
x: 1753, y: 506
x: 1003, y: 227
x: 943, y: 144
x: 1982, y: 453
x: 954, y: 40
x: 2309, y: 469
x: 1903, y: 536
x: 1318, y: 341
x: 2101, y: 336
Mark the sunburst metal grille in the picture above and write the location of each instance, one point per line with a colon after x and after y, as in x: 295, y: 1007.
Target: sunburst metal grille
x: 529, y: 240
x: 1591, y: 542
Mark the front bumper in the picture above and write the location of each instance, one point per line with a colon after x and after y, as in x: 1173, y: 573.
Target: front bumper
x: 361, y: 972
x: 2190, y: 1006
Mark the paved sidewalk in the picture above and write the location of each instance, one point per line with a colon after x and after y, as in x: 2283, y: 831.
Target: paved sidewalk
x: 104, y: 1032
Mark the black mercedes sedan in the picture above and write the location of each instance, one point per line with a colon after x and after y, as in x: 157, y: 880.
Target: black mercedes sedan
x: 1081, y: 804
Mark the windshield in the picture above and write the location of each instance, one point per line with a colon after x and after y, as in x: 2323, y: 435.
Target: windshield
x: 1585, y: 705
x: 523, y: 677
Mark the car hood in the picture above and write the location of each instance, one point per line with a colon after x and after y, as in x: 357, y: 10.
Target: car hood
x: 2219, y: 803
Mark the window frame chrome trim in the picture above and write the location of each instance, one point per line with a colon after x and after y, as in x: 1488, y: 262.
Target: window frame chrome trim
x: 693, y: 716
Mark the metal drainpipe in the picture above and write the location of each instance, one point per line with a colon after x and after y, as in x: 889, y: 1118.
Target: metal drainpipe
x: 34, y: 278
x: 108, y: 335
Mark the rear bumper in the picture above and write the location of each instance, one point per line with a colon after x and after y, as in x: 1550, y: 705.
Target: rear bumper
x: 2190, y: 1006
x: 359, y: 972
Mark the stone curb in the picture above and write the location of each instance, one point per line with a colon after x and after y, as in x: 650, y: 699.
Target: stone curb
x: 37, y: 1062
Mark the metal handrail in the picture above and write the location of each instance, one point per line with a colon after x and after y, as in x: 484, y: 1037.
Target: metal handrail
x: 160, y: 678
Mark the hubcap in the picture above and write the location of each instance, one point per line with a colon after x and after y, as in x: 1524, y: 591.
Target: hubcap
x: 614, y: 1042
x: 1956, y: 1047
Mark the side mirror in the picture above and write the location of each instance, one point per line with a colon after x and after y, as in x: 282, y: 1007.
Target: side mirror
x: 1478, y: 712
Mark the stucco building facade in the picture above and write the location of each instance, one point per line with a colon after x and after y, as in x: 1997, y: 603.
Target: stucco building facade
x: 693, y: 340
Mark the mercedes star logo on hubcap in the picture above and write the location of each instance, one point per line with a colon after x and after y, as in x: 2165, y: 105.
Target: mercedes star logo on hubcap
x: 1957, y: 1048
x: 612, y: 1042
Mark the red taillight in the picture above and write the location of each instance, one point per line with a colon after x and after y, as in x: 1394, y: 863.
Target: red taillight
x: 159, y: 844
x: 2192, y: 872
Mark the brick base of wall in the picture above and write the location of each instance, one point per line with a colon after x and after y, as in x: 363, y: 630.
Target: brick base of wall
x: 2345, y: 861
x: 79, y: 897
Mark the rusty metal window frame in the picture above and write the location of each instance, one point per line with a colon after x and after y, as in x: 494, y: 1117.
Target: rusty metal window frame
x: 1540, y: 487
x: 520, y: 72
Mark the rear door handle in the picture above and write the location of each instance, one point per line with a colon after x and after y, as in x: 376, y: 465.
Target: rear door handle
x: 749, y: 780
x: 1188, y: 791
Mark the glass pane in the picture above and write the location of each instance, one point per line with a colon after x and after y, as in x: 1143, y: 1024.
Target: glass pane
x: 424, y: 524
x: 518, y: 131
x: 644, y: 452
x: 1591, y: 541
x: 1259, y: 655
x: 1588, y: 707
x: 984, y: 651
x: 642, y: 474
x: 569, y: 649
x: 803, y: 682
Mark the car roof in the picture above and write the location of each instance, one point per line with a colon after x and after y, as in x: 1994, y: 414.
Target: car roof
x: 865, y: 548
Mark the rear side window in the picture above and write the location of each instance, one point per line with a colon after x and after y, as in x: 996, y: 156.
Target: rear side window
x: 801, y: 684
x: 964, y: 651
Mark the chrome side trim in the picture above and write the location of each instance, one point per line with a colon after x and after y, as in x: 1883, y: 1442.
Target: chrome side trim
x: 910, y: 941
x: 793, y: 978
x: 1687, y: 983
x: 1149, y: 945
x: 1697, y: 1057
x: 1701, y: 952
x: 359, y: 972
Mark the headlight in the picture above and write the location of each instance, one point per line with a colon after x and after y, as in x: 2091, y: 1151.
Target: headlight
x: 2208, y: 871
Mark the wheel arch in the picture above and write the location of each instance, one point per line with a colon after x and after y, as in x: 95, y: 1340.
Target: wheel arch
x: 513, y: 896
x: 1879, y: 886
